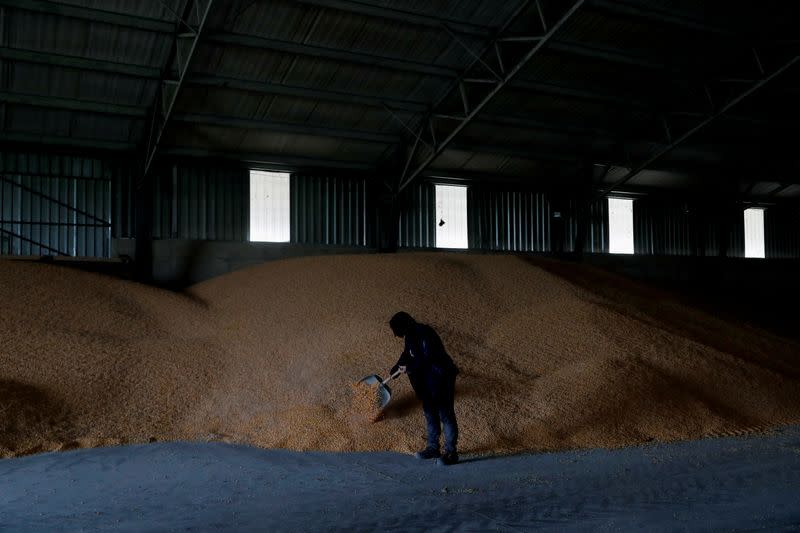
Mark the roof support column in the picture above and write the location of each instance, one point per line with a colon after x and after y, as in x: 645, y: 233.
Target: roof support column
x: 189, y: 27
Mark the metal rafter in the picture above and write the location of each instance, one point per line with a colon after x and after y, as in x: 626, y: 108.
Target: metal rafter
x: 281, y: 160
x: 508, y: 75
x: 91, y: 15
x: 73, y: 104
x: 720, y: 112
x: 83, y: 63
x: 567, y: 47
x: 398, y: 15
x: 778, y: 190
x: 183, y: 50
x: 515, y: 151
x: 286, y: 127
x: 306, y: 92
x: 396, y: 105
x: 335, y: 54
x: 53, y: 140
x: 651, y: 14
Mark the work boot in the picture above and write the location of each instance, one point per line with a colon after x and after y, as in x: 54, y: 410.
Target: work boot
x: 428, y: 453
x: 449, y: 458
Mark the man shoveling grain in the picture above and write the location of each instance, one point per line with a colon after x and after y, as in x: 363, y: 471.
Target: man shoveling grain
x: 432, y: 374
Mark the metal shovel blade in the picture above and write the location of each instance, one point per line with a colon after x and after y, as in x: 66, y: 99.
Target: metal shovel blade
x: 384, y: 392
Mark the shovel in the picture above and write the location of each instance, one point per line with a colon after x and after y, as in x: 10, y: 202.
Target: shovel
x: 384, y: 392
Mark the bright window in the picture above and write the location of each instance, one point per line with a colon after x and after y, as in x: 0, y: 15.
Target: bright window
x: 451, y: 216
x: 269, y: 206
x: 754, y: 232
x: 620, y: 225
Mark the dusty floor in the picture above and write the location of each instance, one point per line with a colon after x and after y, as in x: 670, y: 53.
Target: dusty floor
x: 729, y: 484
x: 553, y: 356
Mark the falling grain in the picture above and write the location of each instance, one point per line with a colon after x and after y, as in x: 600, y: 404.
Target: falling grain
x: 366, y: 401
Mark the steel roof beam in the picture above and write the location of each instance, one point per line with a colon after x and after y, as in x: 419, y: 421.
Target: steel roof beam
x: 421, y: 107
x: 305, y: 92
x: 34, y: 138
x: 508, y: 74
x: 290, y: 47
x: 82, y: 63
x: 73, y: 104
x: 532, y: 124
x: 274, y: 160
x: 665, y: 150
x: 397, y: 15
x: 612, y: 55
x: 194, y: 17
x: 566, y: 47
x: 513, y: 151
x: 285, y: 127
x: 650, y: 14
x: 578, y: 93
x: 91, y: 15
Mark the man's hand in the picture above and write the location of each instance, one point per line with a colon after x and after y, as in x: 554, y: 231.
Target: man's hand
x: 402, y: 369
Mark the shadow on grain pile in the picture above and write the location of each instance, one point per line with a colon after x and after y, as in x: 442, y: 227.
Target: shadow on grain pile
x: 553, y: 356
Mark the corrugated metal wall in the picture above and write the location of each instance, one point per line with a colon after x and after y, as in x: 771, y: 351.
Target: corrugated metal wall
x: 508, y: 221
x: 205, y: 203
x: 596, y: 239
x: 69, y: 205
x: 736, y: 238
x: 662, y: 228
x: 417, y: 216
x: 328, y: 210
x: 721, y: 230
x: 55, y: 205
x: 123, y: 215
x: 782, y: 232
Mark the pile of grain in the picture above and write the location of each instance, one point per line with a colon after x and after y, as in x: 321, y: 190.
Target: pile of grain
x: 552, y: 356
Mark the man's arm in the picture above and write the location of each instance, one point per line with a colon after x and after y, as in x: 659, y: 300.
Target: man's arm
x: 403, y: 361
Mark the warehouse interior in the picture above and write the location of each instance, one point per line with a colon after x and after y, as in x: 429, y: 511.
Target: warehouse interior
x: 180, y: 176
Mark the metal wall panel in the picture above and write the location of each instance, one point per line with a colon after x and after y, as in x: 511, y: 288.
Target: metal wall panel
x: 736, y: 246
x: 55, y: 205
x: 596, y: 238
x: 123, y: 215
x: 782, y: 232
x: 202, y: 203
x: 515, y: 221
x: 417, y: 206
x: 662, y: 227
x: 329, y: 210
x: 722, y: 229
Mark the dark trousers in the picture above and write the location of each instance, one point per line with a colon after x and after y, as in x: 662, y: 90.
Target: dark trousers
x: 439, y: 411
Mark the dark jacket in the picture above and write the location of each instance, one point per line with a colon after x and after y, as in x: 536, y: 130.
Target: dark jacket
x: 428, y: 365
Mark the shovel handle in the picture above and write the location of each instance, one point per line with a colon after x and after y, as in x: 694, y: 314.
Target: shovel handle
x: 390, y: 378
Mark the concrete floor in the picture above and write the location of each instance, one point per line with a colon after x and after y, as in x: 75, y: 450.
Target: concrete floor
x: 731, y: 484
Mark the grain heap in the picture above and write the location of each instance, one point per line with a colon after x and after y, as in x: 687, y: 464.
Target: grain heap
x: 552, y: 356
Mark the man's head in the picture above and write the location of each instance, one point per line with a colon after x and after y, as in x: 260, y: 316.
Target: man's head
x: 401, y: 323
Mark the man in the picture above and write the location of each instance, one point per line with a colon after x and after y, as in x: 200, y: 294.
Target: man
x: 433, y: 377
